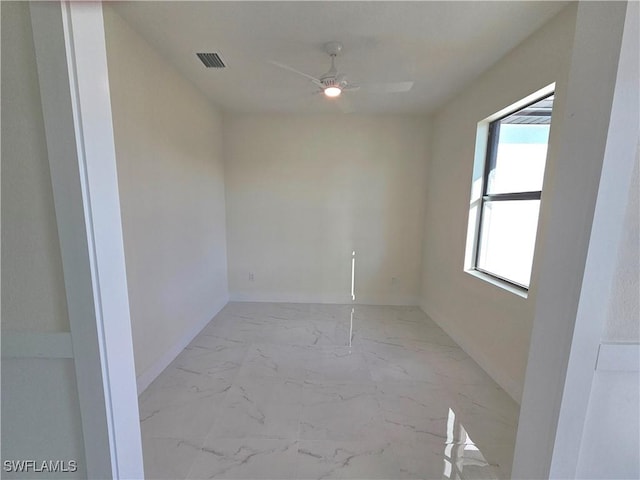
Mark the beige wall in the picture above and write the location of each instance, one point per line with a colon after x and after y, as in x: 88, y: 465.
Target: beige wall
x: 304, y: 191
x: 33, y: 295
x: 492, y: 324
x: 170, y: 174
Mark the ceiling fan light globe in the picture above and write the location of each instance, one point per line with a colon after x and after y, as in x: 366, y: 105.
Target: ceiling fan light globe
x: 332, y: 91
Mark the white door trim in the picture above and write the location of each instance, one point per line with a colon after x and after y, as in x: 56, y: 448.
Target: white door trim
x: 71, y: 57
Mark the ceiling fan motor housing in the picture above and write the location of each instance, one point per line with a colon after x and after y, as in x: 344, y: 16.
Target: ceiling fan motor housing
x: 333, y: 82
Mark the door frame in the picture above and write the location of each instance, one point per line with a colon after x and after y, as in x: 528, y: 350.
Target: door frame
x: 71, y: 59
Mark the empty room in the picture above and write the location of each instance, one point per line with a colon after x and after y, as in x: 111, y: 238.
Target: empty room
x: 317, y: 240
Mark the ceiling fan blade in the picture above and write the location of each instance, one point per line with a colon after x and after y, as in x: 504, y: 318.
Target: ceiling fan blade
x: 393, y: 87
x: 314, y: 80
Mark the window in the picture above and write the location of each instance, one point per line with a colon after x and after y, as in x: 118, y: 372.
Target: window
x: 509, y: 205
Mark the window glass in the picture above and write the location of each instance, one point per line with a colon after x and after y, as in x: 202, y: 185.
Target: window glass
x: 508, y: 237
x: 512, y: 190
x: 520, y: 150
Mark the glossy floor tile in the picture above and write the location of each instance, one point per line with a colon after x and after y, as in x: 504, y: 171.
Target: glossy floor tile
x: 303, y: 391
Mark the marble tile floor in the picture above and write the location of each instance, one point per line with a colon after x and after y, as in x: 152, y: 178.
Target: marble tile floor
x: 306, y: 391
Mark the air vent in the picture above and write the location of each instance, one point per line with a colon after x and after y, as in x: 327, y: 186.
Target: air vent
x: 211, y: 60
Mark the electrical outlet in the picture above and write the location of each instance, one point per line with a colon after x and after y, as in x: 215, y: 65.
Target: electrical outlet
x: 251, y: 277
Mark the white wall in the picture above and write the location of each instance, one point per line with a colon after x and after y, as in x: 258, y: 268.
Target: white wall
x: 593, y: 166
x: 623, y: 320
x: 614, y: 403
x: 304, y: 191
x: 492, y: 324
x: 41, y: 414
x: 610, y: 445
x: 40, y: 409
x: 32, y: 282
x: 170, y: 174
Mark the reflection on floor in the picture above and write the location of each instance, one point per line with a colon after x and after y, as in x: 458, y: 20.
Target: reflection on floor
x: 305, y: 391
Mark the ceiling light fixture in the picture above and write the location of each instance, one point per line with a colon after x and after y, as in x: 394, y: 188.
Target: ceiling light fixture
x: 332, y: 91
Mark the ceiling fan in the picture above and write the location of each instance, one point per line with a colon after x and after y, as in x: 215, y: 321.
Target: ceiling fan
x: 333, y: 83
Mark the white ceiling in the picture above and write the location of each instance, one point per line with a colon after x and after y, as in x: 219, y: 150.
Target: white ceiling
x: 441, y: 46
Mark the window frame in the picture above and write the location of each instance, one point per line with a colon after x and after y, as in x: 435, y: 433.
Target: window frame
x: 493, y: 137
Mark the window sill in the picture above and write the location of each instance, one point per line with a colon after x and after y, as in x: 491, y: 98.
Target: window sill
x: 499, y: 283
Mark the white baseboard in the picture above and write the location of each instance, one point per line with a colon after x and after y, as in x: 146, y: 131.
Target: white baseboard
x: 398, y: 300
x: 267, y: 297
x: 508, y: 384
x: 392, y: 300
x: 150, y: 374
